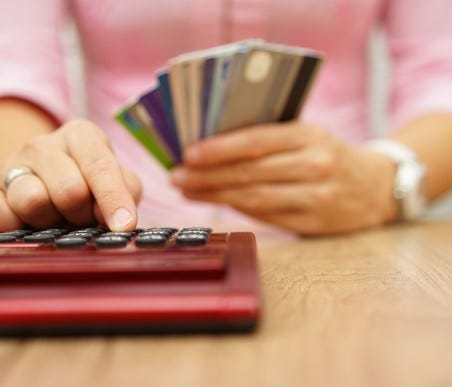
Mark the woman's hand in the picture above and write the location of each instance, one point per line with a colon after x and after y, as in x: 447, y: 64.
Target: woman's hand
x: 294, y: 175
x: 76, y: 178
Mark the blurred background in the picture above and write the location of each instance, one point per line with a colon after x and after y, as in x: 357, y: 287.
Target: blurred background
x: 379, y: 68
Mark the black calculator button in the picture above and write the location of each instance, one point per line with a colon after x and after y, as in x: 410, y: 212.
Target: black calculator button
x: 207, y: 230
x: 18, y: 233
x: 144, y: 240
x: 127, y: 235
x: 111, y: 241
x: 187, y: 238
x: 82, y: 234
x: 7, y: 238
x: 164, y: 233
x: 94, y: 230
x: 169, y: 230
x: 40, y: 237
x: 70, y: 242
x: 91, y: 230
x: 56, y: 232
x: 200, y: 232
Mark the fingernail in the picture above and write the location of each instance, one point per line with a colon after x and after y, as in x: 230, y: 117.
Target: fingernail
x: 179, y: 176
x: 120, y: 219
x: 193, y: 155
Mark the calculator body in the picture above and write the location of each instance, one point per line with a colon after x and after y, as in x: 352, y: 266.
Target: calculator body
x: 213, y: 287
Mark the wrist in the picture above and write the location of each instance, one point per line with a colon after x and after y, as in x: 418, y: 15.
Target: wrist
x: 408, y: 189
x: 382, y: 170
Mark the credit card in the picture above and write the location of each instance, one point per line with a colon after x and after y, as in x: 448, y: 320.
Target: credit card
x: 209, y: 67
x: 125, y: 118
x: 248, y: 88
x: 202, y: 93
x: 288, y: 65
x: 154, y: 105
x: 195, y: 80
x: 186, y: 81
x: 165, y: 91
x: 178, y: 78
x: 223, y: 63
x: 301, y: 87
x: 140, y: 114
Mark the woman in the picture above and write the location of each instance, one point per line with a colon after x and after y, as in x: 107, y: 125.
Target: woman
x: 313, y: 176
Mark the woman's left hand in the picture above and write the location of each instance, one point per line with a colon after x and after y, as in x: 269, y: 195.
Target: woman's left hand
x: 294, y: 175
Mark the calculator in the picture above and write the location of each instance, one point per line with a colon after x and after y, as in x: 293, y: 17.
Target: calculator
x: 63, y: 281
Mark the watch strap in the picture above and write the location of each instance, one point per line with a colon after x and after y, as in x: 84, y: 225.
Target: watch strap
x: 410, y: 173
x: 395, y: 150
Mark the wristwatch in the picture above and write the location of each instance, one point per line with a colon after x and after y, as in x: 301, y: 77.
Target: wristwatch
x: 409, y: 181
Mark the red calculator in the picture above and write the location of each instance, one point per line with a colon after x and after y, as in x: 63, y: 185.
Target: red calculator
x: 161, y: 279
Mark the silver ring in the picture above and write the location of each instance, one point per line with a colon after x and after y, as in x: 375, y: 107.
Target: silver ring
x: 14, y: 173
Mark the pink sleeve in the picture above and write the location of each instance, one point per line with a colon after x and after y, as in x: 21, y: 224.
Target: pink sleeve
x: 31, y: 57
x: 420, y: 43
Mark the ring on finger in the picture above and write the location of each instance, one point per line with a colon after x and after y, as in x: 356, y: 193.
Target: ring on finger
x: 14, y: 173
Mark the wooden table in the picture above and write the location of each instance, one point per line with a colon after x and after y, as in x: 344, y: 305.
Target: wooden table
x: 368, y: 309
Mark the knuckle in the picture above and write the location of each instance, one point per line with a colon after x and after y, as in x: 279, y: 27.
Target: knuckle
x: 255, y: 145
x: 78, y: 123
x: 36, y: 145
x: 83, y: 126
x: 108, y: 198
x: 71, y: 194
x: 242, y: 174
x: 75, y: 124
x: 197, y: 179
x: 323, y: 164
x: 325, y: 196
x: 297, y: 138
x: 255, y: 199
x: 35, y: 202
x: 99, y: 166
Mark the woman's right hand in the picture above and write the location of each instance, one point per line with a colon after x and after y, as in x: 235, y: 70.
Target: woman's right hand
x: 76, y: 179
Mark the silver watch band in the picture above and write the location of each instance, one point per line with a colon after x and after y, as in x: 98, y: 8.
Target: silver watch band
x: 397, y: 151
x: 409, y: 177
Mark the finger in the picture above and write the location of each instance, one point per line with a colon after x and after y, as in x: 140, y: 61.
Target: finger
x: 133, y: 184
x: 88, y: 146
x: 305, y: 165
x: 28, y: 198
x: 308, y: 223
x: 8, y: 220
x: 98, y: 216
x: 304, y: 223
x: 66, y: 186
x: 250, y: 143
x: 265, y: 198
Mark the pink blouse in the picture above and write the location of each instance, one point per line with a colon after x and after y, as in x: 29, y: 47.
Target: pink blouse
x: 124, y: 42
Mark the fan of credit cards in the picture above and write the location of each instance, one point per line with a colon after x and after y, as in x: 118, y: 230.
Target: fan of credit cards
x: 204, y: 93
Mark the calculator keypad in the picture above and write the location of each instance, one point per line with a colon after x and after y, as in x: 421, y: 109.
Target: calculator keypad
x: 101, y: 238
x: 81, y: 254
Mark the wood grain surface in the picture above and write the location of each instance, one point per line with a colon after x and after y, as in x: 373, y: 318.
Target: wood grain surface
x: 367, y: 309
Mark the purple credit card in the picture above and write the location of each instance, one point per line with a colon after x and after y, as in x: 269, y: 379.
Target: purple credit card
x: 154, y: 104
x: 165, y: 92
